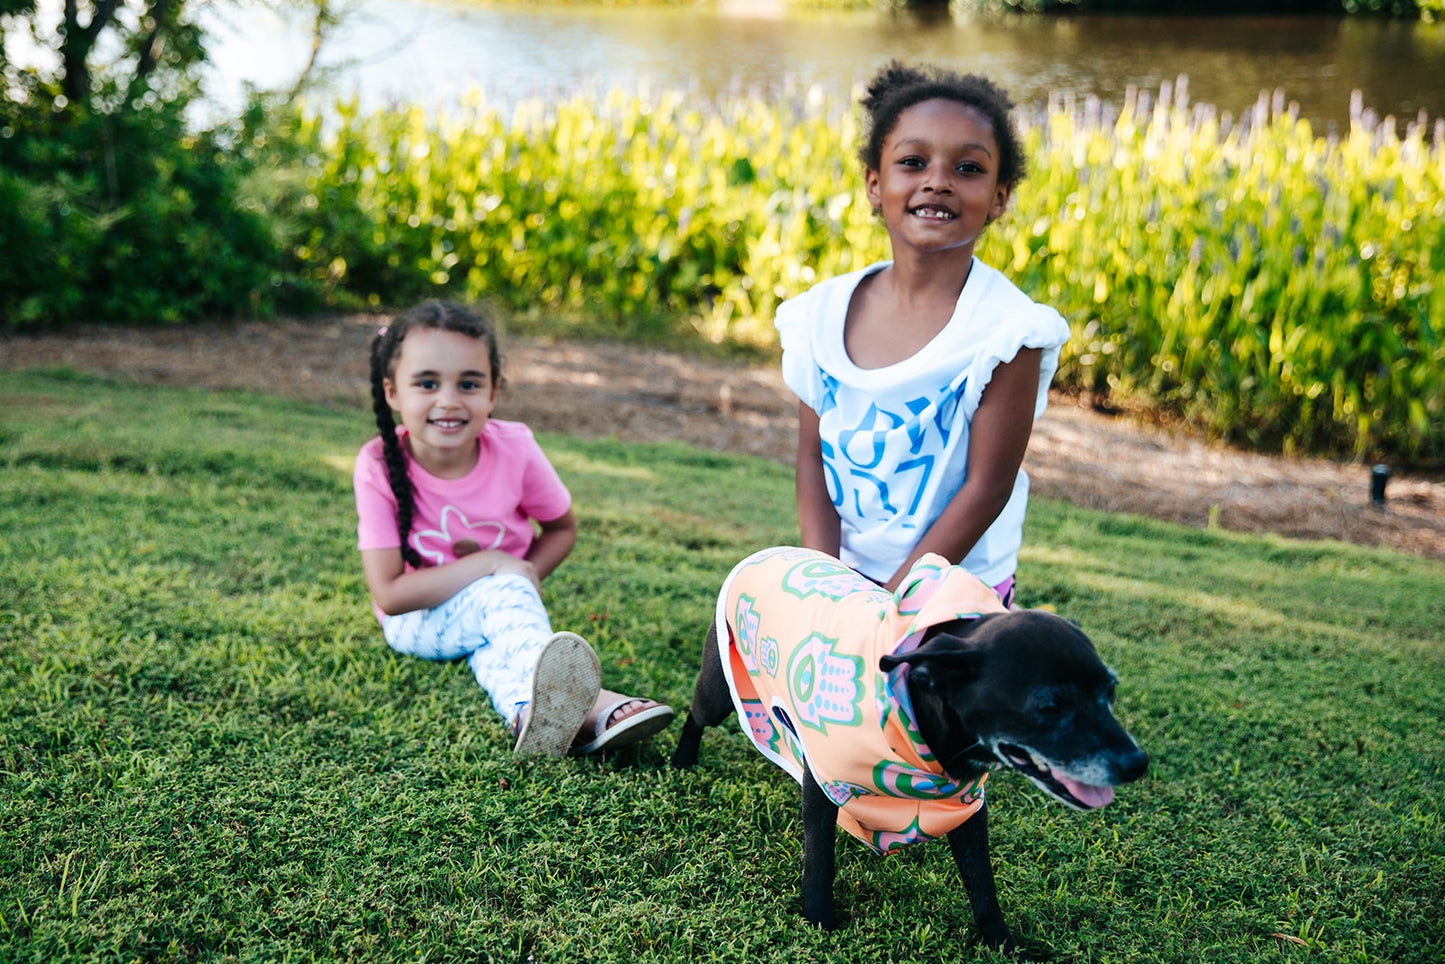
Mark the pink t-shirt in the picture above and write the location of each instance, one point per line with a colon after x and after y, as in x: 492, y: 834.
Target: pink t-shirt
x: 492, y: 507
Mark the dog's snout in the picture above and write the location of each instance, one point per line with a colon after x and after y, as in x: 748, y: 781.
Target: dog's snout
x: 1133, y: 765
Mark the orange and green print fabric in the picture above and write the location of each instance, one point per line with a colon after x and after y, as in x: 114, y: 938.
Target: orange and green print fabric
x: 801, y: 636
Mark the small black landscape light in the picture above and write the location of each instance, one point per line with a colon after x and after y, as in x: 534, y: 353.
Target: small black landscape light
x: 1379, y: 475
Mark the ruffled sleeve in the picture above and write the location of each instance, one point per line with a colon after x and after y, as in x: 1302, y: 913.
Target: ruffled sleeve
x: 795, y: 320
x: 1027, y: 325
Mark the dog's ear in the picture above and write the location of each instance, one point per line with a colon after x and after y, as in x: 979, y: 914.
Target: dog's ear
x: 944, y: 662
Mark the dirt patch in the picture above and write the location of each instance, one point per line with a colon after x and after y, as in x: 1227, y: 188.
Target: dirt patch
x: 641, y: 394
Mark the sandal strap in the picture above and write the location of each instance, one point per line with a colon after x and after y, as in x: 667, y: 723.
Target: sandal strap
x: 599, y: 727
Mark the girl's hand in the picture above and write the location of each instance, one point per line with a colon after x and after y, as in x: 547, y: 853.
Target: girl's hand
x: 507, y: 563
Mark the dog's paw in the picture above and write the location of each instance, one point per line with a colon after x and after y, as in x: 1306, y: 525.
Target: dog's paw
x: 1008, y: 949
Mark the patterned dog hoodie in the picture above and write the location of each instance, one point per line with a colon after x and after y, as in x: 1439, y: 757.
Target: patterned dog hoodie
x: 801, y: 635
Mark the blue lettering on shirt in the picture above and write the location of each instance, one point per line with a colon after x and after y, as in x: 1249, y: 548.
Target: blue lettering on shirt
x: 879, y: 463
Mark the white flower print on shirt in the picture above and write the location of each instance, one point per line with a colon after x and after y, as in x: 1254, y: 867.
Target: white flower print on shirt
x: 457, y: 537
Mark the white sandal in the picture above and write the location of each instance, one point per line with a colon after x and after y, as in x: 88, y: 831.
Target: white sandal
x: 631, y: 729
x: 565, y: 684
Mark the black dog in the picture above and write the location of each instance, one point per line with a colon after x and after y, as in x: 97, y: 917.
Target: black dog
x: 1023, y: 689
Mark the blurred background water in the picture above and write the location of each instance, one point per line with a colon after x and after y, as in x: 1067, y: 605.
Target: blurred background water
x: 434, y: 51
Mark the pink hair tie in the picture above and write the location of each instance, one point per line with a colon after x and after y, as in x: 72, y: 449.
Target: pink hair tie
x: 381, y: 332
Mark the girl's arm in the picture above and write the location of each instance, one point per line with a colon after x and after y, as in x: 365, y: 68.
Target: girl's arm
x: 818, y: 525
x: 398, y: 591
x: 998, y: 436
x: 553, y: 543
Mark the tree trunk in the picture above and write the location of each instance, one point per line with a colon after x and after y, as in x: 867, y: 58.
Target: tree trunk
x: 76, y: 45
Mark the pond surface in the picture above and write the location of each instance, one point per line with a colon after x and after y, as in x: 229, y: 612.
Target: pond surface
x: 432, y: 51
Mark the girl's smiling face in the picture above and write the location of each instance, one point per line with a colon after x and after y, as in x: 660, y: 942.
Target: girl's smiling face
x: 937, y: 180
x: 442, y: 390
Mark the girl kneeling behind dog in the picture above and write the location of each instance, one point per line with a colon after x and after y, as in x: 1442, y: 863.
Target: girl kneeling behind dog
x: 919, y: 378
x: 446, y: 505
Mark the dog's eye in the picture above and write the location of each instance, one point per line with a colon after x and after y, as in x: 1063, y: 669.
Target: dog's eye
x: 1049, y: 705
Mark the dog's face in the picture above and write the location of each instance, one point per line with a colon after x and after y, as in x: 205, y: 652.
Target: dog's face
x: 1028, y: 688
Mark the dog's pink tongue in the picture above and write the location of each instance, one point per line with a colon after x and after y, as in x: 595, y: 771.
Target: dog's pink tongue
x: 1089, y: 796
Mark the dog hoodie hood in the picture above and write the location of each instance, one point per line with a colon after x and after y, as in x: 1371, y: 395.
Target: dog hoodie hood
x: 801, y: 636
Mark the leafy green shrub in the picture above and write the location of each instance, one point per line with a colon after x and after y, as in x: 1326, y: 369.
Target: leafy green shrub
x: 634, y: 211
x: 1276, y: 288
x: 125, y: 217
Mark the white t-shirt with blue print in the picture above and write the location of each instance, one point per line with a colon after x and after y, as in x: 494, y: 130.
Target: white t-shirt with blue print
x: 895, y: 439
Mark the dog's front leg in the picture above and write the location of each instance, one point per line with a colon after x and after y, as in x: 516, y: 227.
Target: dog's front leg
x: 711, y: 702
x: 820, y: 822
x: 969, y: 843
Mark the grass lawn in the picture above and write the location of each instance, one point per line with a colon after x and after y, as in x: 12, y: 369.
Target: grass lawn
x: 207, y: 752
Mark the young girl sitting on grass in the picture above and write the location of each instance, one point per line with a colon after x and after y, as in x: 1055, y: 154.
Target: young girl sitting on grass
x: 919, y: 378
x: 446, y: 505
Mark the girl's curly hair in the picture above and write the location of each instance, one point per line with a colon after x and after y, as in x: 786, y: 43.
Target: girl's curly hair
x: 897, y: 87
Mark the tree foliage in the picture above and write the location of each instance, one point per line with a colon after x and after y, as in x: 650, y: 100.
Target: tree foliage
x: 114, y: 210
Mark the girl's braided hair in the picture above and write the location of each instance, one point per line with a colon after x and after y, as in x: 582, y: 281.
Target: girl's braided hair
x: 442, y: 316
x: 895, y: 88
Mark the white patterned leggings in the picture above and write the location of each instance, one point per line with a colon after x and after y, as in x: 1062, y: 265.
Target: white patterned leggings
x: 498, y: 623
